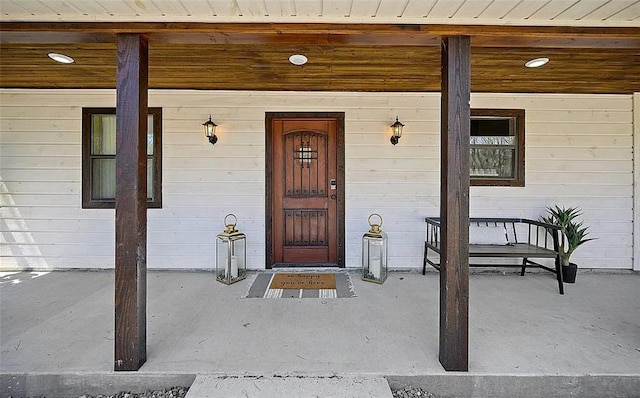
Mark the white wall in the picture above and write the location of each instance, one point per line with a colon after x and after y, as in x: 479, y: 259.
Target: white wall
x: 578, y: 153
x: 636, y: 182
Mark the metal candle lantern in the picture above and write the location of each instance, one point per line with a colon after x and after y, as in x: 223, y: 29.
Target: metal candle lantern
x: 231, y: 253
x: 374, y: 253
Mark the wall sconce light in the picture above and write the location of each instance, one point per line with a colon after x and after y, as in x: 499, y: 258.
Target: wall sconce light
x: 396, y: 129
x: 210, y: 130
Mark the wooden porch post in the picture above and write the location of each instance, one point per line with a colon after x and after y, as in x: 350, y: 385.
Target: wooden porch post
x: 131, y: 203
x: 454, y: 203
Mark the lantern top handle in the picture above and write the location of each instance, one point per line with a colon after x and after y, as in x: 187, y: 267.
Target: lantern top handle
x: 230, y: 227
x: 375, y: 228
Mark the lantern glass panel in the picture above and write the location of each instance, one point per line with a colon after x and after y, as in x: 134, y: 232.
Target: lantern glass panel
x: 231, y: 258
x: 374, y: 257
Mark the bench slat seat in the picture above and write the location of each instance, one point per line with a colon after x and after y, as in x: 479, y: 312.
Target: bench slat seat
x: 512, y: 250
x: 541, y: 241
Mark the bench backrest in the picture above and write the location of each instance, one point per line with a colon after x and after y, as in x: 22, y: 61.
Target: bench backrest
x: 516, y: 230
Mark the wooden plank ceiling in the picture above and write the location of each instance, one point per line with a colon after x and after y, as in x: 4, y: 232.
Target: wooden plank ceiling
x: 392, y: 58
x: 484, y: 12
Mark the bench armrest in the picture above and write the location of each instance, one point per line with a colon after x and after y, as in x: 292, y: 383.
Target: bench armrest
x: 432, y: 231
x: 539, y: 233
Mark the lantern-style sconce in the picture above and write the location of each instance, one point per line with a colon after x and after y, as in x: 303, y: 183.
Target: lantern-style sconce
x: 210, y: 130
x: 374, y: 253
x: 231, y: 253
x: 396, y: 130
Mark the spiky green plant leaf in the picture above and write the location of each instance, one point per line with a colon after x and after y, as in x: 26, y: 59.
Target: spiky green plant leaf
x: 573, y: 231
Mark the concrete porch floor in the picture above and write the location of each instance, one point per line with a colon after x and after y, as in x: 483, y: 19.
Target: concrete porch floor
x: 62, y: 322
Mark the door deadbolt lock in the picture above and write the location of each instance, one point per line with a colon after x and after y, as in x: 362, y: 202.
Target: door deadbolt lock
x: 332, y: 184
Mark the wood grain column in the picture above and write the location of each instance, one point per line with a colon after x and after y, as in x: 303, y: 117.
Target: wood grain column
x: 131, y: 203
x: 454, y: 203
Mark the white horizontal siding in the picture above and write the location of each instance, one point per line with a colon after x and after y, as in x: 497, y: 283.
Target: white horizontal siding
x: 579, y: 152
x: 636, y: 184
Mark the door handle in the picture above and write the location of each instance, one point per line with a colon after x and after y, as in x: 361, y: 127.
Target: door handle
x: 332, y: 184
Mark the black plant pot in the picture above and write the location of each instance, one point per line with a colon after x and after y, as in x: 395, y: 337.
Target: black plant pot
x: 569, y: 273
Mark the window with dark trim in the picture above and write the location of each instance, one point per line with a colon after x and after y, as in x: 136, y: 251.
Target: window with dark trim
x: 99, y: 158
x: 497, y: 147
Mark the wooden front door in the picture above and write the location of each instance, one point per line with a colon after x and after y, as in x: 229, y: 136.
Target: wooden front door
x: 305, y: 185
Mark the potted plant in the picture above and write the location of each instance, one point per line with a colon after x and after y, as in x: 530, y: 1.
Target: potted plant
x: 574, y: 234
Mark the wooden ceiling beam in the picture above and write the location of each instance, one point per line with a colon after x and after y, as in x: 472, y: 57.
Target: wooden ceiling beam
x: 341, y: 57
x: 321, y: 34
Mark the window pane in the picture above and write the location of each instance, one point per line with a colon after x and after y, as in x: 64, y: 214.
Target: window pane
x: 150, y: 135
x: 103, y: 178
x: 103, y: 134
x: 150, y: 178
x: 99, y: 152
x: 497, y: 155
x: 492, y: 162
x: 491, y: 126
x: 482, y: 140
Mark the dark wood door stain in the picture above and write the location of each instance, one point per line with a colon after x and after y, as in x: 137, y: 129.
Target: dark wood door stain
x: 304, y: 191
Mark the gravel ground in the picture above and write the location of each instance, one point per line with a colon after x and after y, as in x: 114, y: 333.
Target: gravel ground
x: 172, y: 392
x: 180, y: 392
x: 412, y: 392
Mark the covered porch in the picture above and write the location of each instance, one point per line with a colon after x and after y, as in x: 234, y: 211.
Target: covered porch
x: 61, y: 323
x: 411, y: 58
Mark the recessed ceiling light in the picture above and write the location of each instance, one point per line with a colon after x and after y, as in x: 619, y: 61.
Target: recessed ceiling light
x: 63, y: 59
x: 535, y: 63
x: 298, y: 59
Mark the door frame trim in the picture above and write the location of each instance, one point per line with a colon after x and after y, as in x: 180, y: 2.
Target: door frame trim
x: 340, y: 216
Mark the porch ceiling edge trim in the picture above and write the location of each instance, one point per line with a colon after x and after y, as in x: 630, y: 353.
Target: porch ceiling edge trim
x: 321, y: 34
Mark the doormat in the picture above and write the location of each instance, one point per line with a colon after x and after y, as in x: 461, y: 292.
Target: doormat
x: 301, y: 285
x: 303, y: 281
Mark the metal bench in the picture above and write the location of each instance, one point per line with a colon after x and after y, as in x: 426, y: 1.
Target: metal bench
x: 523, y: 238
